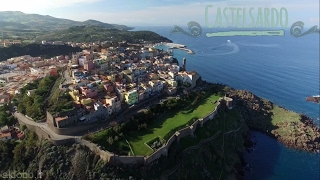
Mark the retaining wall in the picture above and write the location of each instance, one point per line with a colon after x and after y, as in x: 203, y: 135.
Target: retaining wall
x: 40, y: 133
x: 69, y: 130
x: 115, y: 159
x: 73, y: 130
x: 181, y: 134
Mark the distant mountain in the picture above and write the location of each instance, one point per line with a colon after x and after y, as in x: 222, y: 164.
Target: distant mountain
x: 22, y: 21
x: 99, y: 33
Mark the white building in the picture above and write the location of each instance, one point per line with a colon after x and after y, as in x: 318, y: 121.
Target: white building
x: 82, y: 60
x: 35, y: 70
x: 3, y: 81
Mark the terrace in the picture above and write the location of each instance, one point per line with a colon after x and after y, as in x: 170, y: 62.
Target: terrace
x: 172, y: 120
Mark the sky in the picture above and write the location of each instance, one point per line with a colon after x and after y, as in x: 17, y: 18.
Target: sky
x: 162, y: 12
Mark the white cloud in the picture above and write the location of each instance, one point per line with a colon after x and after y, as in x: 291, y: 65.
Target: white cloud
x: 31, y: 6
x: 314, y: 21
x: 166, y: 15
x: 182, y: 14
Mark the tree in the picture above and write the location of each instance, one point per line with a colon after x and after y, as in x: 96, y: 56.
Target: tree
x: 110, y: 140
x: 116, y: 138
x: 3, y: 119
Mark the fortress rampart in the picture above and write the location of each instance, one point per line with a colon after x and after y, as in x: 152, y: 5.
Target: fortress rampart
x: 141, y: 160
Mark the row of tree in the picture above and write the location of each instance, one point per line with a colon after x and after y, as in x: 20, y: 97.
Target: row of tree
x: 36, y: 50
x: 33, y: 105
x: 6, y: 118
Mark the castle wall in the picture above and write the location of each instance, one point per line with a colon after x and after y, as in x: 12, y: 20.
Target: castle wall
x: 73, y: 130
x: 115, y: 159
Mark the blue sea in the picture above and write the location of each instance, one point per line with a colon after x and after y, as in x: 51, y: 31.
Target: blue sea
x: 282, y: 69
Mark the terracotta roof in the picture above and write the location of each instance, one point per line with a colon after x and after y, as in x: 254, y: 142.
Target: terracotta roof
x: 3, y: 135
x: 61, y: 118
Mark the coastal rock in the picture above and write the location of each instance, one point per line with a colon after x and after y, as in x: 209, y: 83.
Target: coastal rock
x: 257, y: 112
x: 315, y: 99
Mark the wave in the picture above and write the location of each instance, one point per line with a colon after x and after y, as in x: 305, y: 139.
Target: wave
x: 259, y: 45
x: 235, y: 49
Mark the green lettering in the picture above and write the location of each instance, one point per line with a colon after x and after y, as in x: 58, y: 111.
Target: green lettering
x: 273, y: 10
x: 225, y: 16
x: 250, y: 12
x: 238, y: 17
x: 206, y: 16
x: 244, y: 18
x: 232, y: 10
x: 266, y: 17
x: 283, y: 26
x: 218, y: 18
x: 259, y: 18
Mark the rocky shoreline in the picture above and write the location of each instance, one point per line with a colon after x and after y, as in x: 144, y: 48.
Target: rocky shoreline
x: 315, y: 99
x: 301, y: 135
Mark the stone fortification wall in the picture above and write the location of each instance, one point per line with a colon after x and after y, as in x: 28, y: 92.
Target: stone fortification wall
x: 105, y: 155
x: 73, y: 130
x: 115, y: 159
x: 184, y: 133
x: 69, y: 130
x: 40, y: 133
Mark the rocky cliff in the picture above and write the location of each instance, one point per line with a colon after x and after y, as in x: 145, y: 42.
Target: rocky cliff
x: 294, y: 130
x: 315, y: 99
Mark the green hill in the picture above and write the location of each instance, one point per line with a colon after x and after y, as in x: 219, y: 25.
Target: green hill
x: 98, y: 33
x: 48, y: 23
x: 36, y: 50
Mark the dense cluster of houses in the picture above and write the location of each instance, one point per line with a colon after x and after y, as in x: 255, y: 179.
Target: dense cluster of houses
x: 100, y: 83
x: 17, y: 72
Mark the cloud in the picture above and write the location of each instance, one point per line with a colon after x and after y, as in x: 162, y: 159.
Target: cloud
x: 165, y: 12
x: 32, y: 6
x: 182, y: 14
x: 314, y: 21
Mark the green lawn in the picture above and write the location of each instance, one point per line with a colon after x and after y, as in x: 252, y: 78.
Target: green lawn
x: 166, y: 123
x: 282, y: 115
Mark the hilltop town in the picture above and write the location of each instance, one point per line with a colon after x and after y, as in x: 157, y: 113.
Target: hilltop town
x: 98, y: 84
x: 132, y: 109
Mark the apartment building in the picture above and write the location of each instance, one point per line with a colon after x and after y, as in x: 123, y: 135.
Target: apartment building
x: 132, y: 97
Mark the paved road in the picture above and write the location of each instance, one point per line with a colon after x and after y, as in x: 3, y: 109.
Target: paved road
x: 68, y: 79
x: 44, y: 127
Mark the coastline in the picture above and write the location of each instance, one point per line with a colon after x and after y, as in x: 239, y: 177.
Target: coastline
x: 301, y: 135
x: 175, y: 46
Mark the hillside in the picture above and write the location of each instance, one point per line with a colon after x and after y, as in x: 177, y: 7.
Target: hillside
x: 36, y: 50
x: 98, y: 33
x: 20, y: 20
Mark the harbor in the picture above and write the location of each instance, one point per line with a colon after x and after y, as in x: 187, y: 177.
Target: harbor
x: 175, y: 46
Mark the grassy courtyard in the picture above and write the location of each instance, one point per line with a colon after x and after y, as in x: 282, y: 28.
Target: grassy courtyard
x: 169, y: 121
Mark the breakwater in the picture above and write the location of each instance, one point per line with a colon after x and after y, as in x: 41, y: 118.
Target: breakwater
x: 175, y: 46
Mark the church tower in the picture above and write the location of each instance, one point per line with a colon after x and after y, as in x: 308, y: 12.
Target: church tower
x: 184, y: 63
